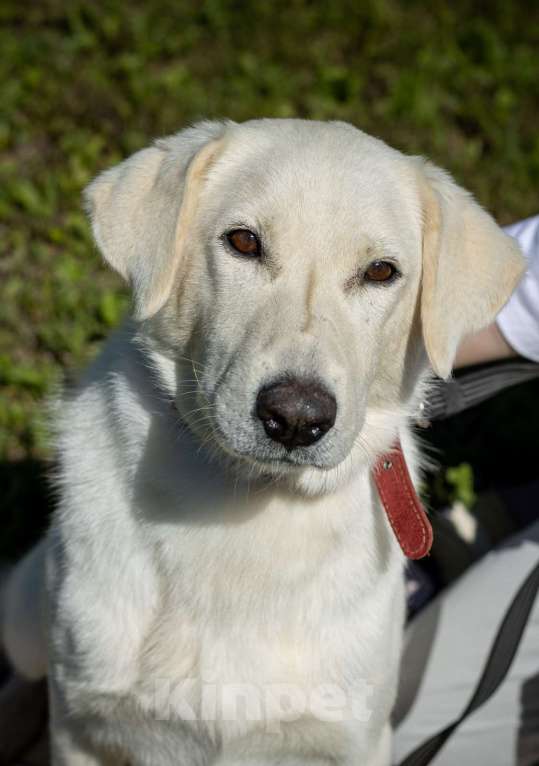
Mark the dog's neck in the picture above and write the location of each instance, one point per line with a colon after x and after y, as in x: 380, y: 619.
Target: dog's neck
x: 388, y: 470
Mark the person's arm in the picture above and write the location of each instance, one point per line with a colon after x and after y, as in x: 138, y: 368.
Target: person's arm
x: 484, y: 346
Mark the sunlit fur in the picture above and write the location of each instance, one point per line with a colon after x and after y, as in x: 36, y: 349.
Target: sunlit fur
x: 187, y: 544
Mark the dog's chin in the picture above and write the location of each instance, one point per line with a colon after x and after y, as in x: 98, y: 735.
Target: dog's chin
x: 274, y: 458
x: 307, y: 477
x: 265, y: 461
x: 309, y: 473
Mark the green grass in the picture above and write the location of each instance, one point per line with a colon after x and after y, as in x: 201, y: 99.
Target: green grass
x: 85, y: 83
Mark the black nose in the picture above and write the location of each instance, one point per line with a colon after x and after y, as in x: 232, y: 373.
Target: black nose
x: 296, y: 413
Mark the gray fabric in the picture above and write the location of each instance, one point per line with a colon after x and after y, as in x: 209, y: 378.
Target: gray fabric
x: 473, y: 386
x: 414, y: 662
x: 467, y: 616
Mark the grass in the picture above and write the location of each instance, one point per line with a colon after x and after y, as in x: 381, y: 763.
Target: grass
x: 85, y: 83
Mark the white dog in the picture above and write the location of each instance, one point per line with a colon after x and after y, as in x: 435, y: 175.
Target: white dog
x: 223, y: 584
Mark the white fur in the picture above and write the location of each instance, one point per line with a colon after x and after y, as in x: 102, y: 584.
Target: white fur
x: 189, y: 554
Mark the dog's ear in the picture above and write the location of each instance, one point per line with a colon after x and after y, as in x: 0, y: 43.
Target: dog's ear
x: 140, y: 210
x: 470, y: 267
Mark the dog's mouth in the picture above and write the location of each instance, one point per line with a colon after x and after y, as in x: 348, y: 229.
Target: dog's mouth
x: 271, y: 460
x: 264, y: 458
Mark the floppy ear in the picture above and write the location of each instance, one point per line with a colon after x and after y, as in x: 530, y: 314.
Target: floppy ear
x: 470, y: 267
x: 140, y: 210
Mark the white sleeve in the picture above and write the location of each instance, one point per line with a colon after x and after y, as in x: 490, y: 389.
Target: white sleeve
x: 519, y: 319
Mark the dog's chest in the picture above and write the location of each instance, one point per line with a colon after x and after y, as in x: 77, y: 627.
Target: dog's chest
x: 240, y: 621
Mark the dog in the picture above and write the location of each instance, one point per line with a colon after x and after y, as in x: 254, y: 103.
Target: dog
x: 220, y: 583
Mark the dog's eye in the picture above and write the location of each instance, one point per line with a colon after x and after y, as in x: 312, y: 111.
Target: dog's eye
x: 244, y: 241
x: 380, y: 271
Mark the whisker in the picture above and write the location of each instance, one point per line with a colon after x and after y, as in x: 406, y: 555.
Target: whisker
x: 191, y: 361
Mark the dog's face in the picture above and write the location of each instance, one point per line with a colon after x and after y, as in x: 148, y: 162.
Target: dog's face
x: 293, y: 274
x: 306, y: 267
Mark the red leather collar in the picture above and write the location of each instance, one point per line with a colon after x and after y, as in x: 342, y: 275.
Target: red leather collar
x: 402, y: 505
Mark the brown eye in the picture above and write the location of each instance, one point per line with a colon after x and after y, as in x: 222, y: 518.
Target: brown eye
x: 244, y: 242
x: 380, y: 271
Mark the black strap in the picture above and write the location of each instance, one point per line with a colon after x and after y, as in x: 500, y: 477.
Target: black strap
x: 499, y: 661
x: 475, y: 384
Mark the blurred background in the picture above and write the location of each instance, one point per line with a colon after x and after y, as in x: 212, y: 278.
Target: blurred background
x: 86, y: 82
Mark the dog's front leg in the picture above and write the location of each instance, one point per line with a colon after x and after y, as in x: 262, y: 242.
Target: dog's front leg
x: 326, y: 750
x: 69, y: 746
x: 293, y: 747
x: 382, y: 752
x: 67, y: 749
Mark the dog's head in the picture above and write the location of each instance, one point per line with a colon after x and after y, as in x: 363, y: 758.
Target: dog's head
x: 295, y: 279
